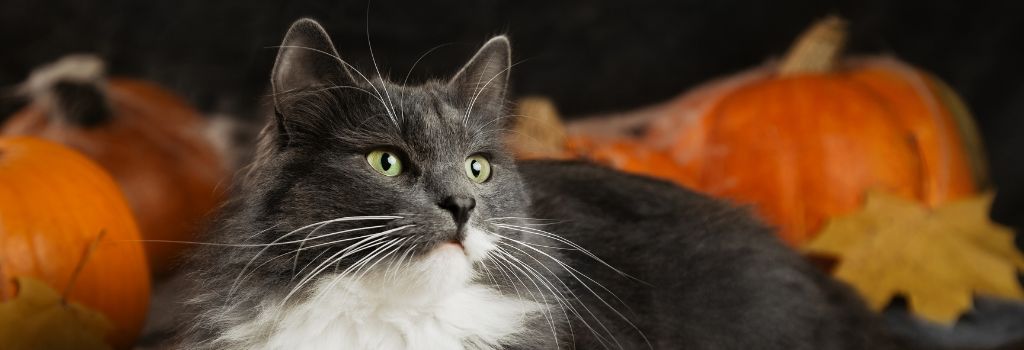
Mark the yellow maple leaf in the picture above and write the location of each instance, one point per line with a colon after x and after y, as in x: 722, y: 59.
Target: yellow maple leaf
x: 938, y: 258
x: 39, y: 318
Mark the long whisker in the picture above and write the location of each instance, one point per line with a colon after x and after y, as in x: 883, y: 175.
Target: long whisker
x: 561, y: 297
x: 235, y: 284
x: 333, y: 259
x: 365, y: 243
x: 356, y: 247
x: 571, y: 270
x: 375, y: 243
x: 395, y: 243
x: 469, y: 111
x: 521, y: 218
x: 575, y: 274
x: 310, y: 263
x: 296, y: 251
x: 563, y: 240
x: 424, y: 55
x: 328, y: 88
x: 547, y: 314
x: 262, y: 232
x: 546, y: 310
x: 349, y: 66
x: 303, y: 241
x: 551, y: 287
x: 366, y: 264
x: 408, y: 74
x: 244, y: 245
x: 373, y: 59
x: 400, y: 261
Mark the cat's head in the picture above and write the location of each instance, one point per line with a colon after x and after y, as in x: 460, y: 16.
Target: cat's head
x: 356, y: 166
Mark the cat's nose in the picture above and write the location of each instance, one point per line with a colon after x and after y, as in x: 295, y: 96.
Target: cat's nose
x: 459, y: 206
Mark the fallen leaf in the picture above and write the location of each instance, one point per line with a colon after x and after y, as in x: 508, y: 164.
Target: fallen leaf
x: 937, y: 258
x: 39, y: 318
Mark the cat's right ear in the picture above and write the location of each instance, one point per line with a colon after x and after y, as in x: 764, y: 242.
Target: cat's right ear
x: 305, y: 60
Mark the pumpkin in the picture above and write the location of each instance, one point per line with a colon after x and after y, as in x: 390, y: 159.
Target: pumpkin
x: 539, y: 133
x: 151, y: 141
x: 801, y: 140
x: 807, y: 140
x: 54, y: 203
x: 628, y: 155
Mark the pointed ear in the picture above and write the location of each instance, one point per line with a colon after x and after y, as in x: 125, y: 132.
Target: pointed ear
x: 307, y: 59
x: 482, y: 82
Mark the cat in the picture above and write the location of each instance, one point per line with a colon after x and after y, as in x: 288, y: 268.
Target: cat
x: 382, y: 216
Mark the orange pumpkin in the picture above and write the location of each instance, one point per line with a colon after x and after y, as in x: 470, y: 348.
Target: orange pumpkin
x: 54, y: 202
x: 151, y: 141
x: 805, y: 140
x: 628, y: 155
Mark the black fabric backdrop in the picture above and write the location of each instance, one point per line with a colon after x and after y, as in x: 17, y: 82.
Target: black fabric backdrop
x: 590, y: 56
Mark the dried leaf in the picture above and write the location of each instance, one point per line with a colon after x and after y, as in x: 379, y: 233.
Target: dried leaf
x: 938, y: 258
x: 38, y: 318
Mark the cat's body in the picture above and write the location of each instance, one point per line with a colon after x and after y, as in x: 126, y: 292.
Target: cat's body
x: 379, y: 216
x: 715, y: 278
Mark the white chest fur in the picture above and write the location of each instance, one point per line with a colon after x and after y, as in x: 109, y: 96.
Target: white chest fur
x: 434, y: 307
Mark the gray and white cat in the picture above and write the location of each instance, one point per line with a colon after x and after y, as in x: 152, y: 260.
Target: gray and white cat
x: 381, y: 216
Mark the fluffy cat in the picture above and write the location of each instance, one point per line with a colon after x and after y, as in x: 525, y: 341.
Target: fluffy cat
x: 381, y: 216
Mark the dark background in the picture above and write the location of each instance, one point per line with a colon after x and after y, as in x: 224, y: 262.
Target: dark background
x: 589, y: 56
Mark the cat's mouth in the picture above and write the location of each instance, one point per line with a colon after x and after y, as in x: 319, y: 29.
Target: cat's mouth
x: 473, y: 245
x: 455, y: 243
x: 452, y: 246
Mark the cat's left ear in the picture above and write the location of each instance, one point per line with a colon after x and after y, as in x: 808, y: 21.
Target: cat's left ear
x: 481, y: 84
x: 307, y: 59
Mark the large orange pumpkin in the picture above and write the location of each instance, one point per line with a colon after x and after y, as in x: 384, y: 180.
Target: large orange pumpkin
x: 805, y: 140
x: 54, y: 202
x: 151, y: 141
x: 801, y: 141
x: 628, y: 155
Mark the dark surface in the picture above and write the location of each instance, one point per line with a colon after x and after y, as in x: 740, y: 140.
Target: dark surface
x: 993, y: 322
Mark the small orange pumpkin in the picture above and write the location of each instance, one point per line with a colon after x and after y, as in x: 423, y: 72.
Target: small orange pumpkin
x: 54, y: 202
x: 151, y: 141
x: 805, y: 140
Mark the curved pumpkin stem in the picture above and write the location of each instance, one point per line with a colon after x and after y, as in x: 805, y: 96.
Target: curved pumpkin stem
x: 86, y: 254
x: 73, y: 89
x: 817, y: 49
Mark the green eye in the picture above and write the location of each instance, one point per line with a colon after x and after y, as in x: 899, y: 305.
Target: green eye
x: 478, y: 169
x: 385, y: 162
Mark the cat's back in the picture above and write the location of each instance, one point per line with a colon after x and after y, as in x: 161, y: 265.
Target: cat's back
x: 714, y: 277
x: 613, y: 206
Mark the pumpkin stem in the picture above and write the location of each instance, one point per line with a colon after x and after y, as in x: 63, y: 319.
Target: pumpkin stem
x: 817, y: 49
x: 86, y: 254
x: 72, y: 89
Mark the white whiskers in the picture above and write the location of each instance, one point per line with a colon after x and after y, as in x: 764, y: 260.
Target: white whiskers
x: 530, y: 266
x: 373, y: 240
